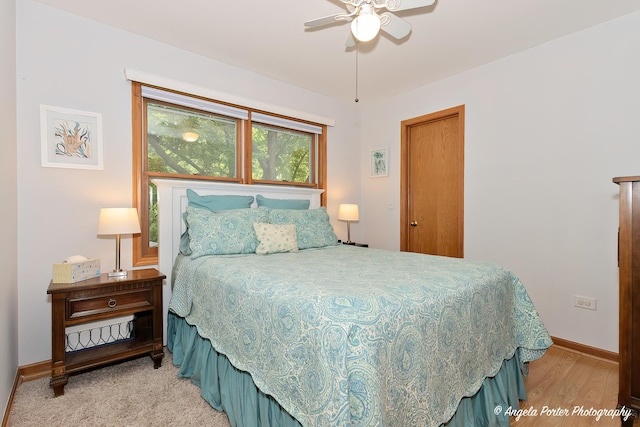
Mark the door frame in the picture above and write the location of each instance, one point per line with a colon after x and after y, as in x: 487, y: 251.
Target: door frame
x: 404, y: 167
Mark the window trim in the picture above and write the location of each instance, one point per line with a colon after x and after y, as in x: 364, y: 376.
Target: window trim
x: 143, y: 254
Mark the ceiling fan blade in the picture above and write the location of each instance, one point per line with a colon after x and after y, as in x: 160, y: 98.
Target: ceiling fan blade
x: 351, y: 41
x: 396, y: 5
x: 327, y: 20
x: 394, y: 26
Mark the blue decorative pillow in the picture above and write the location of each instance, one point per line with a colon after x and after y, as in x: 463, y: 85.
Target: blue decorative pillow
x: 213, y: 203
x: 223, y: 232
x: 313, y: 228
x: 282, y: 203
x: 217, y: 202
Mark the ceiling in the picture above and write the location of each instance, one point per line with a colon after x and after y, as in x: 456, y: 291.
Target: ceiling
x: 269, y: 37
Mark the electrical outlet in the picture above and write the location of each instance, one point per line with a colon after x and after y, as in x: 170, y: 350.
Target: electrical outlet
x: 585, y: 302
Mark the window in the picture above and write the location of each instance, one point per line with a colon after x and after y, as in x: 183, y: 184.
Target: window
x: 184, y: 142
x: 181, y: 136
x: 284, y: 151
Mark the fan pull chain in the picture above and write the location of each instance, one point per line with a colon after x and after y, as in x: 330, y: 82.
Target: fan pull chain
x: 357, y: 72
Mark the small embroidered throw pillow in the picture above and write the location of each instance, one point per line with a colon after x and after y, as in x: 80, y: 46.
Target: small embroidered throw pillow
x: 275, y: 238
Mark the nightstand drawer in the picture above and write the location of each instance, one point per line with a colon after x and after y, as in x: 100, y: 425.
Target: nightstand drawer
x: 112, y: 303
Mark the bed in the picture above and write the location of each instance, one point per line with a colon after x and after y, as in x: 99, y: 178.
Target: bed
x: 328, y: 334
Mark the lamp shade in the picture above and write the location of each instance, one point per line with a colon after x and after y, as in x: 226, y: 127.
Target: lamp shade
x: 118, y: 221
x: 348, y: 212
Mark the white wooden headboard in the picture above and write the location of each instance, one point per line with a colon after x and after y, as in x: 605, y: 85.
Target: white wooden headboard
x: 172, y: 202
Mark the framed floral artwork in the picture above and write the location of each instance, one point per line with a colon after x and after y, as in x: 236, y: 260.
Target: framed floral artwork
x: 380, y: 162
x: 70, y: 138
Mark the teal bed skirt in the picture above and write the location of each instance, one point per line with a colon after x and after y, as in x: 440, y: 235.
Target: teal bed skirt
x: 232, y: 391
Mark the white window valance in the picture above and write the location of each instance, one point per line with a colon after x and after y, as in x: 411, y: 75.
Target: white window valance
x: 197, y: 103
x: 284, y: 123
x: 163, y: 82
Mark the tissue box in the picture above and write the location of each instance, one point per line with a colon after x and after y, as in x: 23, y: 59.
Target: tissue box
x: 71, y: 272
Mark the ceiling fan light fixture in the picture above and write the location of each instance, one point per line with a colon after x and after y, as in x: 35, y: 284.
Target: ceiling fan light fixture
x: 366, y: 25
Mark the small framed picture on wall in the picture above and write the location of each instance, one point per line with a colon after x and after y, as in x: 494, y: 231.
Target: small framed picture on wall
x: 380, y: 162
x: 70, y: 138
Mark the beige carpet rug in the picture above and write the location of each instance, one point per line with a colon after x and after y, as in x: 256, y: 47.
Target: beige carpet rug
x: 127, y: 394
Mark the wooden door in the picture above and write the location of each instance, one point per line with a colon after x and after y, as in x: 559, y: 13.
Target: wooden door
x: 432, y: 183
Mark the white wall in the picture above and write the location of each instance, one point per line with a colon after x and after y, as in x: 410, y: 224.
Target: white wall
x: 546, y: 131
x: 68, y: 61
x: 9, y: 205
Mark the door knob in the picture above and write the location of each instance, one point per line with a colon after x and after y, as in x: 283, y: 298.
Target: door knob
x: 413, y: 223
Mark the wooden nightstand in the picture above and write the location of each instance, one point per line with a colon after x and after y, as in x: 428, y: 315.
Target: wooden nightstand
x: 139, y: 293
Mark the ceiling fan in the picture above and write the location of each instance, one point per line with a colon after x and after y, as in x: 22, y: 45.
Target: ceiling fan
x: 366, y: 21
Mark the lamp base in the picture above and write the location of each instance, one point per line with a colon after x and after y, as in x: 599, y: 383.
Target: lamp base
x: 348, y: 242
x: 118, y: 273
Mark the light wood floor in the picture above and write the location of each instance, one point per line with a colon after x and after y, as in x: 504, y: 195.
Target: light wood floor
x: 564, y: 379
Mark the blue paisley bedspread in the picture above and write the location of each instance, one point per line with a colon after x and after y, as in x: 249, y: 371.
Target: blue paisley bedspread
x: 352, y: 336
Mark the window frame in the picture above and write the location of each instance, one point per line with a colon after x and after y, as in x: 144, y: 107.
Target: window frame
x: 145, y: 146
x: 248, y: 172
x: 143, y: 253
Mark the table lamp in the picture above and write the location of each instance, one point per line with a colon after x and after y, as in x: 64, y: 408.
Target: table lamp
x: 348, y: 212
x: 118, y: 221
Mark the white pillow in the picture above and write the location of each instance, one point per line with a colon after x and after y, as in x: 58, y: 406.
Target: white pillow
x: 275, y: 238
